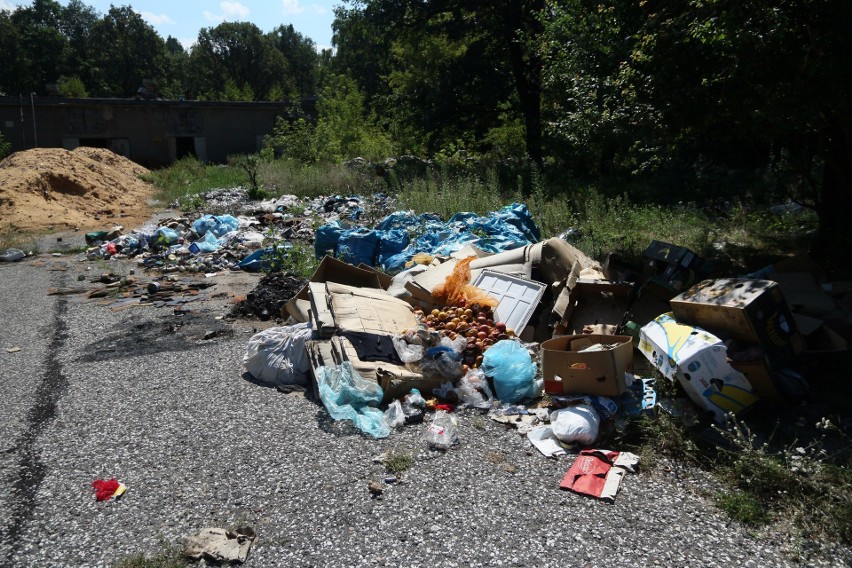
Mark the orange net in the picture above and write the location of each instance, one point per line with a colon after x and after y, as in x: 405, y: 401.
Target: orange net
x: 457, y: 287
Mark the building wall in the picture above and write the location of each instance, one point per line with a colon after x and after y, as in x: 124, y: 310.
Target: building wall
x: 150, y: 132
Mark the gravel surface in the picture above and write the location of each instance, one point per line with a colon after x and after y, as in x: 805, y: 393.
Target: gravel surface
x: 139, y: 394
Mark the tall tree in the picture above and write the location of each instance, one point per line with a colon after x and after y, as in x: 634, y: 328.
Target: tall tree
x: 39, y: 47
x: 132, y: 51
x: 239, y: 52
x: 500, y: 30
x: 301, y: 55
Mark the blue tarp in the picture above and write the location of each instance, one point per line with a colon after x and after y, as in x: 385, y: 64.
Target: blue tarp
x: 510, y: 227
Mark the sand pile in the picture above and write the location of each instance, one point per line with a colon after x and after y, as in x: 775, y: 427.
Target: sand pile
x: 56, y: 189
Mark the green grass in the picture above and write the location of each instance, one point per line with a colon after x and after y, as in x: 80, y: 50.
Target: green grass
x: 279, y: 177
x: 398, y: 462
x: 188, y: 177
x: 169, y: 558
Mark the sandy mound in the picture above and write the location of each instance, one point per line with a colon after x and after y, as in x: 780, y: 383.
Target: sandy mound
x: 87, y: 188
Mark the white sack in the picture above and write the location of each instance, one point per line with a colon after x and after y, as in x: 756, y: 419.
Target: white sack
x: 578, y: 424
x: 277, y: 356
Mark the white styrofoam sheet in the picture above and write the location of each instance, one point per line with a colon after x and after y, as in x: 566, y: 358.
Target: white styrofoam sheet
x: 517, y: 297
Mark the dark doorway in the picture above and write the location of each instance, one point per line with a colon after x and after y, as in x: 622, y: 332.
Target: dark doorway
x: 184, y: 146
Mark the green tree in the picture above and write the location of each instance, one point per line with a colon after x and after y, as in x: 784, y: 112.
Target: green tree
x: 36, y: 46
x: 471, y: 56
x: 237, y: 51
x: 175, y: 64
x: 343, y: 130
x: 131, y: 51
x: 301, y: 55
x: 72, y: 87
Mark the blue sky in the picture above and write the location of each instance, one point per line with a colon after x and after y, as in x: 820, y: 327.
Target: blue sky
x: 183, y: 19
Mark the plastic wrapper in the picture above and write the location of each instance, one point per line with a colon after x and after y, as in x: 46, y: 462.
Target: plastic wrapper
x: 442, y: 362
x: 442, y: 433
x: 407, y: 352
x: 348, y: 396
x: 474, y: 391
x: 576, y: 424
x: 510, y: 365
x: 394, y: 415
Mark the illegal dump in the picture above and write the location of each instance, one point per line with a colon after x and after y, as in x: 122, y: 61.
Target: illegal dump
x: 409, y: 320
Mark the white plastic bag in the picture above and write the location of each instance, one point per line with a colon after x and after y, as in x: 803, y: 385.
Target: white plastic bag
x: 394, y: 415
x: 442, y: 433
x: 277, y: 356
x: 578, y: 424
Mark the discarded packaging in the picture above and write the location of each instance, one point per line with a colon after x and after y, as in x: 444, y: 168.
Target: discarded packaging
x: 277, y: 355
x: 576, y: 424
x: 546, y: 441
x: 348, y: 396
x: 751, y: 311
x: 107, y: 489
x: 568, y: 369
x: 699, y: 362
x: 442, y: 432
x: 509, y: 364
x: 219, y: 545
x: 598, y: 473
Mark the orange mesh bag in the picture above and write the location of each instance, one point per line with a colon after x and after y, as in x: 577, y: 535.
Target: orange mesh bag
x: 457, y: 287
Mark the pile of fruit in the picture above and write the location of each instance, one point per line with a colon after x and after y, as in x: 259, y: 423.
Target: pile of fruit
x: 474, y: 322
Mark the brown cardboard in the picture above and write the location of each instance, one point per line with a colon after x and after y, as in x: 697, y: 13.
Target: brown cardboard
x: 566, y: 371
x: 748, y: 310
x: 819, y: 338
x: 385, y: 279
x: 758, y: 375
x: 369, y: 311
x: 333, y: 270
x: 596, y: 304
x: 803, y: 294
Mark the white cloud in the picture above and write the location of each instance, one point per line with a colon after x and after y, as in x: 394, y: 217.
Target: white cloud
x: 231, y: 11
x: 7, y: 6
x: 234, y: 10
x: 292, y: 7
x: 211, y: 17
x: 155, y: 19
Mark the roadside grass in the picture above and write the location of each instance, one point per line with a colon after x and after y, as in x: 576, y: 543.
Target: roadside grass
x: 170, y: 557
x: 13, y: 238
x: 398, y: 462
x: 737, y: 235
x: 187, y: 178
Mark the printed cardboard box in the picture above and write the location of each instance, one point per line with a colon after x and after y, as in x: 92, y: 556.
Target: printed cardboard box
x: 568, y: 369
x: 748, y: 310
x: 698, y: 360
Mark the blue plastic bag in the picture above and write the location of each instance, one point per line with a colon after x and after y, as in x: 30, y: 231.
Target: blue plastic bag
x: 166, y: 235
x: 207, y: 243
x: 510, y: 365
x: 217, y: 224
x: 358, y: 245
x: 348, y: 396
x: 326, y: 239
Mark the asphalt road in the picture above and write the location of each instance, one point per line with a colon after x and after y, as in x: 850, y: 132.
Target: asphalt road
x: 140, y: 395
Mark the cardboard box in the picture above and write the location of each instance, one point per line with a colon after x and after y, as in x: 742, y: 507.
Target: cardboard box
x: 750, y: 311
x: 677, y: 266
x: 698, y: 360
x: 333, y: 270
x: 568, y: 370
x: 595, y: 304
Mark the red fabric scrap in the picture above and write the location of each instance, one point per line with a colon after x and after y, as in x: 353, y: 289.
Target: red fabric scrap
x: 445, y: 407
x: 105, y: 489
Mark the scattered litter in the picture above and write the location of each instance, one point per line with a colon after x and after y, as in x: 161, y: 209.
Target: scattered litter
x: 219, y: 545
x: 107, y: 489
x: 14, y: 349
x: 442, y: 433
x: 546, y: 441
x: 12, y: 255
x: 598, y: 473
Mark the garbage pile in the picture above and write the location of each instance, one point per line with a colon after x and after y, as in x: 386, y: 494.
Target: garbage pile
x: 462, y: 325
